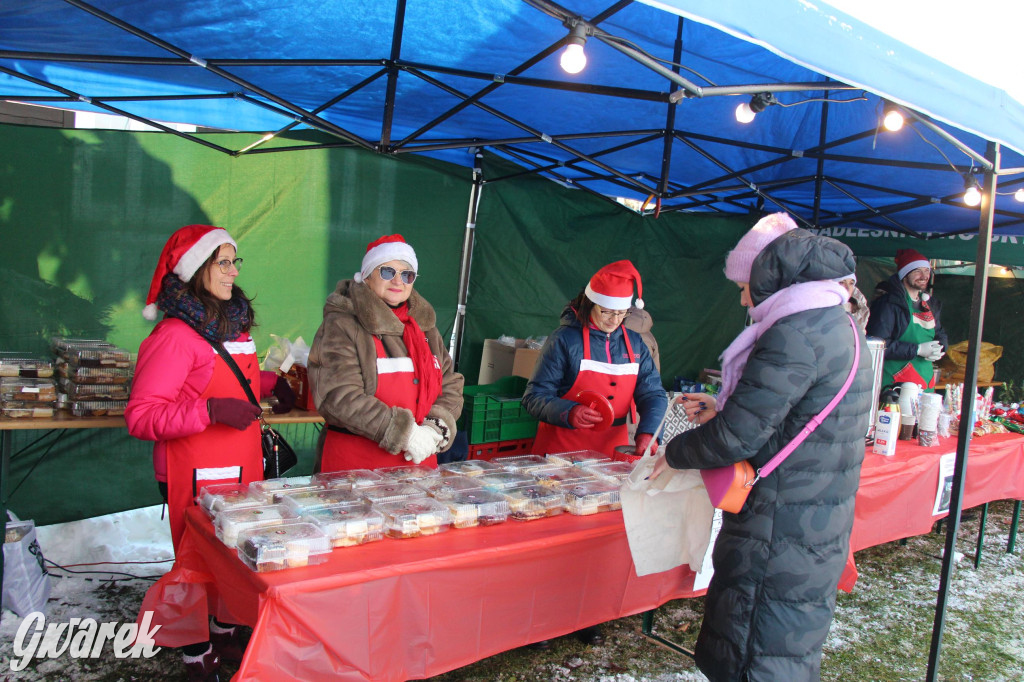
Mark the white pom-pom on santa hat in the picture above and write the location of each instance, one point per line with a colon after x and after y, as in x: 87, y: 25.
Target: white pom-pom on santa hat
x: 611, y: 287
x: 385, y: 249
x: 185, y: 251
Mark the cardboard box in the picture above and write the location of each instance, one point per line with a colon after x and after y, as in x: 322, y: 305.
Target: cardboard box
x: 525, y: 361
x: 497, y: 360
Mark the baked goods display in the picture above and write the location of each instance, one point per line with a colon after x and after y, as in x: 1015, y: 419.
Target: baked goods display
x: 570, y: 475
x: 591, y: 497
x: 354, y: 478
x: 413, y: 518
x: 391, y: 492
x: 469, y: 467
x: 76, y: 391
x: 504, y: 479
x: 524, y: 464
x: 291, y: 545
x: 578, y: 457
x: 18, y: 409
x: 90, y: 353
x: 477, y: 508
x: 92, y: 375
x: 276, y: 488
x: 615, y: 471
x: 408, y: 473
x: 531, y: 502
x: 443, y: 488
x: 308, y: 500
x: 98, y: 408
x: 348, y: 526
x: 214, y: 499
x: 228, y: 524
x: 13, y: 364
x: 28, y: 390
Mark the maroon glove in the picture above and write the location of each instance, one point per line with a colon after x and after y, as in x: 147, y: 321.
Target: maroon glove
x: 285, y: 396
x: 583, y: 417
x: 233, y: 412
x: 642, y: 439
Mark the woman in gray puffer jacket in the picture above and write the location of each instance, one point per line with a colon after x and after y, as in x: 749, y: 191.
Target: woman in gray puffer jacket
x: 778, y: 561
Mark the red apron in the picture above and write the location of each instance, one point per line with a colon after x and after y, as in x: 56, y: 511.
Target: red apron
x: 396, y: 388
x: 221, y: 453
x: 615, y: 382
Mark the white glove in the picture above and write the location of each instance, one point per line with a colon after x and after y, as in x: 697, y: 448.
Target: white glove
x: 423, y: 442
x: 930, y: 351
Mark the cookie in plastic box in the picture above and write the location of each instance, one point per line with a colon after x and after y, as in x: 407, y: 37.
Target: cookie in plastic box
x: 408, y: 472
x: 308, y: 500
x: 564, y: 476
x: 591, y: 497
x: 443, y: 488
x: 505, y: 479
x: 531, y: 502
x: 391, y: 492
x: 276, y: 488
x: 348, y: 526
x: 353, y: 478
x: 524, y: 464
x: 292, y: 545
x: 414, y: 518
x: 469, y: 467
x: 214, y: 499
x: 229, y: 524
x: 477, y: 508
x: 578, y: 457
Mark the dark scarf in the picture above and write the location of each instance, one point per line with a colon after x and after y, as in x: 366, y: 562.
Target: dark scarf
x: 175, y: 300
x: 425, y: 367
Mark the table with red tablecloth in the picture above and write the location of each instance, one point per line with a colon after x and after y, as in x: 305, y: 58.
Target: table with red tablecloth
x: 406, y: 609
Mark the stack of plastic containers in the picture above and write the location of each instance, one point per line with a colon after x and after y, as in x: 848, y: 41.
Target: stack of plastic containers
x: 26, y: 386
x: 93, y: 376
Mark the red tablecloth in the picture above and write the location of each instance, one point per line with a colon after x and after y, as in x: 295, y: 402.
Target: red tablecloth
x: 897, y: 494
x: 406, y: 609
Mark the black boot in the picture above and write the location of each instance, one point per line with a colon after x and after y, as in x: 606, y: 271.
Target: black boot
x: 592, y: 636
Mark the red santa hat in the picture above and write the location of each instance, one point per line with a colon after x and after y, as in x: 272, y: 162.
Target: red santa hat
x: 611, y: 287
x: 183, y: 254
x: 908, y: 260
x: 387, y: 248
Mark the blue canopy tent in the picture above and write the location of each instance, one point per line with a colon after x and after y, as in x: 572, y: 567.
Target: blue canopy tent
x: 650, y: 118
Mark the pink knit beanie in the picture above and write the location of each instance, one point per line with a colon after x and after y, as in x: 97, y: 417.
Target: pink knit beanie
x: 767, y: 229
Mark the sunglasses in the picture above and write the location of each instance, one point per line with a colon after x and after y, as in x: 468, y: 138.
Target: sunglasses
x: 387, y: 273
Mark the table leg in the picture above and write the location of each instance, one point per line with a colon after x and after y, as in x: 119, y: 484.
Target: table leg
x: 1013, y: 528
x: 647, y: 628
x: 981, y: 535
x: 5, y: 463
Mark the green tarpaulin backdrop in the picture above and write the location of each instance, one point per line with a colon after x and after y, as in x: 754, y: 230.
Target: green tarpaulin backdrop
x: 84, y: 215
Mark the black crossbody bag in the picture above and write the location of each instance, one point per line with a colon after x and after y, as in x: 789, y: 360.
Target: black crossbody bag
x: 278, y: 456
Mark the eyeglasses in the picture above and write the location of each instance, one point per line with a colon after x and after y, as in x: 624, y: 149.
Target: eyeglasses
x: 387, y: 273
x: 226, y: 265
x: 612, y: 314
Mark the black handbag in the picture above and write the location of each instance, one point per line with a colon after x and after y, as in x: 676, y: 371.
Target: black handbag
x: 278, y: 456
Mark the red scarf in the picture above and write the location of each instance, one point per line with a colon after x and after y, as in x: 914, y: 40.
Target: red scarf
x: 426, y: 369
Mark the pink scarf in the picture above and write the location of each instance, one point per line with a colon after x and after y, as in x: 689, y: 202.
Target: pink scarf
x: 795, y: 298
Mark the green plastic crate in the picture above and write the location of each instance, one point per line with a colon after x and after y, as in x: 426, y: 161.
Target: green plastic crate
x: 493, y: 410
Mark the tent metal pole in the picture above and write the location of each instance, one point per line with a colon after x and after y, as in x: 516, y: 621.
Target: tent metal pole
x: 649, y: 135
x: 963, y: 440
x: 819, y: 174
x: 392, y: 86
x: 468, y: 239
x: 918, y: 118
x: 670, y: 120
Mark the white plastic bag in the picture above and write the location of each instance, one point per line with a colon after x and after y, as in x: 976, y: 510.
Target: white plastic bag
x: 26, y: 582
x: 668, y: 519
x: 285, y: 353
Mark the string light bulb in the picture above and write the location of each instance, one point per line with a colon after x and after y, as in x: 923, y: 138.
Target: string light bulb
x: 746, y: 111
x: 972, y: 193
x: 574, y: 59
x: 1019, y: 195
x: 893, y: 119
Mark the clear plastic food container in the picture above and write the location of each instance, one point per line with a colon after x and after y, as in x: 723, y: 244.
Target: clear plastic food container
x: 19, y: 409
x: 98, y: 408
x: 470, y: 467
x: 309, y: 500
x: 562, y: 476
x: 591, y: 497
x: 617, y: 471
x: 408, y: 473
x: 94, y: 375
x: 229, y: 524
x: 353, y: 478
x: 578, y: 457
x: 391, y: 492
x: 77, y: 391
x: 446, y: 486
x: 214, y: 499
x: 348, y: 526
x: 504, y: 479
x: 28, y: 390
x: 477, y: 508
x: 413, y: 518
x: 292, y: 545
x: 275, y: 488
x: 91, y: 353
x: 27, y: 366
x: 535, y: 501
x: 524, y: 464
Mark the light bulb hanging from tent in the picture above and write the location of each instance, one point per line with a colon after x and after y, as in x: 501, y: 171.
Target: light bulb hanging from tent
x: 746, y: 111
x: 972, y: 193
x: 1019, y: 195
x: 574, y: 59
x: 893, y: 118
